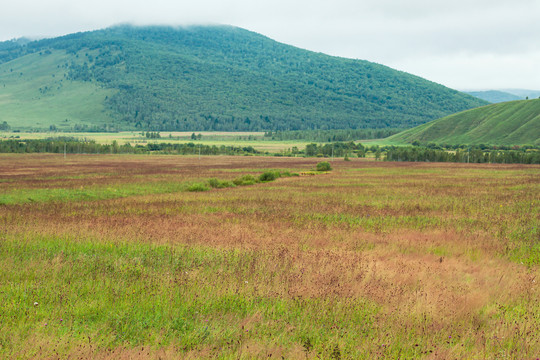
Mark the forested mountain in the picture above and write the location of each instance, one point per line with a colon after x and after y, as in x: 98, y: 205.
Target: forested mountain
x: 509, y: 123
x: 206, y: 78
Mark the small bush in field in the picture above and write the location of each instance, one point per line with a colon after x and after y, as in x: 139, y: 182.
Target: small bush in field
x: 226, y: 184
x: 213, y: 182
x: 245, y: 180
x: 324, y: 166
x: 198, y: 187
x: 269, y: 176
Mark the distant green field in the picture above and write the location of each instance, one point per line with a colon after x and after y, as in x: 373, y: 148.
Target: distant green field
x: 510, y: 123
x: 243, y: 139
x: 35, y: 94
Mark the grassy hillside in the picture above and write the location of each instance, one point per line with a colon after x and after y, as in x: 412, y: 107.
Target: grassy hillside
x: 511, y: 123
x: 209, y: 78
x: 35, y: 93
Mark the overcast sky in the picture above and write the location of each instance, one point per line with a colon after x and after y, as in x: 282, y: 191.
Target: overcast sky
x: 463, y: 44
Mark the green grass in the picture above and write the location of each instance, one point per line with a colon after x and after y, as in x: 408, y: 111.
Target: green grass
x: 21, y: 196
x: 511, y: 123
x: 24, y: 106
x: 130, y: 294
x: 371, y: 260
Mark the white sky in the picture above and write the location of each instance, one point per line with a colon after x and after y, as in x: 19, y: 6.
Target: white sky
x: 463, y: 44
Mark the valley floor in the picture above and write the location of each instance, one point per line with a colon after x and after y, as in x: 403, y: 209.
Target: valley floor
x: 112, y: 257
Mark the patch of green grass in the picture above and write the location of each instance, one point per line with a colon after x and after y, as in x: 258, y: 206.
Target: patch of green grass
x: 130, y: 294
x: 19, y: 196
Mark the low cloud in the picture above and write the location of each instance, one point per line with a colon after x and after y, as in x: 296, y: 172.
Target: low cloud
x: 490, y: 43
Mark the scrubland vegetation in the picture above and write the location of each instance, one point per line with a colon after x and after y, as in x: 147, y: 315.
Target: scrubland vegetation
x: 113, y: 257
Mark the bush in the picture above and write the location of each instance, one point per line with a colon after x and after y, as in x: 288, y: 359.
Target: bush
x: 269, y: 176
x: 245, y: 180
x: 213, y: 182
x: 198, y: 187
x: 324, y: 166
x: 226, y: 184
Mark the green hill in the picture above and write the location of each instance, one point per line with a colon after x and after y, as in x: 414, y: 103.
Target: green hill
x: 205, y: 78
x: 510, y: 123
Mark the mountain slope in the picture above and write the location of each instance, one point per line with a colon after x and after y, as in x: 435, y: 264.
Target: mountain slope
x: 494, y: 96
x: 510, y: 123
x: 211, y: 78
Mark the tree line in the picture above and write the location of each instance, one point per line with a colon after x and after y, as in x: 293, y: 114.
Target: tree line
x: 74, y: 146
x: 463, y: 155
x: 476, y: 154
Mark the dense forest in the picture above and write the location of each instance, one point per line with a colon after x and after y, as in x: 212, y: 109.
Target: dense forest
x: 228, y: 79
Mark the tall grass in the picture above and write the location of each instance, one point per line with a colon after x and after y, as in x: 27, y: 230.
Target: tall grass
x: 372, y: 260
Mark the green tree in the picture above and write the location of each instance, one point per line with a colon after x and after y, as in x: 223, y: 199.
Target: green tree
x: 324, y: 166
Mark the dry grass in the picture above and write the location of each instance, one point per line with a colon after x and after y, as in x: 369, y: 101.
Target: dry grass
x: 371, y: 260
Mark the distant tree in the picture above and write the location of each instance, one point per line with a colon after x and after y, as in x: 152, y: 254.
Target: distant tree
x: 324, y: 166
x: 193, y: 136
x: 5, y: 126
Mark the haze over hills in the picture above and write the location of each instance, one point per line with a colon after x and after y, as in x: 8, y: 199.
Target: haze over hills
x: 524, y: 93
x: 509, y: 123
x: 496, y: 96
x: 205, y: 78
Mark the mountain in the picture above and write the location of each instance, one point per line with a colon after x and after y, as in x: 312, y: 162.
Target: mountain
x: 495, y: 96
x: 205, y: 78
x: 523, y: 93
x: 509, y: 123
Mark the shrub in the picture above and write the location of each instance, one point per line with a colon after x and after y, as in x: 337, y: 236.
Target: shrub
x: 269, y: 176
x: 198, y: 187
x: 323, y: 166
x: 245, y: 180
x: 226, y: 184
x: 213, y: 182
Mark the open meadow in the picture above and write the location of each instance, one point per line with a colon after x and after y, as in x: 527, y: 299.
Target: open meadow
x: 117, y: 257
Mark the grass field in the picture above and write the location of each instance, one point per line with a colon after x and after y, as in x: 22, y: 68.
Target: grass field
x: 109, y: 257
